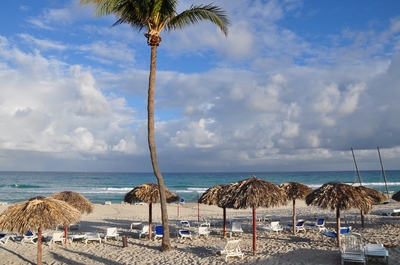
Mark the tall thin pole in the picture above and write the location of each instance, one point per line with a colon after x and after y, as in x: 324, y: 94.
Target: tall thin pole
x: 384, y: 175
x: 198, y: 207
x: 359, y: 179
x: 355, y: 163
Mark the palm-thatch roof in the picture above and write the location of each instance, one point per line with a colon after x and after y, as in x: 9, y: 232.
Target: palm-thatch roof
x: 213, y: 195
x: 295, y: 190
x: 76, y: 200
x: 253, y: 193
x: 148, y: 193
x: 339, y: 196
x: 38, y: 212
x: 336, y: 195
x: 376, y: 196
x: 396, y: 196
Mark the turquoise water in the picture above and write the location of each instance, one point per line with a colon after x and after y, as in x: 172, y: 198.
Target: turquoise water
x: 104, y: 186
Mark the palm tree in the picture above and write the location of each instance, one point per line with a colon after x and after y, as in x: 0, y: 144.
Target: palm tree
x: 153, y: 16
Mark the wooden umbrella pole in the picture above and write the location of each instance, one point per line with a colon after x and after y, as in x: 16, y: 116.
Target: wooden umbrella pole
x: 224, y: 225
x: 150, y: 219
x: 254, y: 231
x: 65, y: 233
x: 39, y: 247
x: 294, y: 217
x: 338, y: 226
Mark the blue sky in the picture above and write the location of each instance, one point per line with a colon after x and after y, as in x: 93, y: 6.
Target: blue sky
x: 293, y: 87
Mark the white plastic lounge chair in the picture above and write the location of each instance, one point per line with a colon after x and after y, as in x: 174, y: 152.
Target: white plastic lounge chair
x: 144, y: 231
x: 206, y: 222
x: 231, y: 249
x: 300, y: 226
x: 184, y: 223
x: 184, y: 234
x: 319, y: 224
x: 333, y: 235
x: 91, y: 236
x: 202, y: 231
x: 376, y: 250
x: 273, y: 227
x: 4, y: 238
x: 136, y: 224
x: 111, y: 232
x: 352, y: 249
x: 74, y: 227
x: 57, y: 237
x: 29, y: 237
x: 158, y: 232
x: 237, y: 228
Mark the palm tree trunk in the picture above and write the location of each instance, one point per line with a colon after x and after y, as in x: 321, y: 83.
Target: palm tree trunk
x: 166, y: 244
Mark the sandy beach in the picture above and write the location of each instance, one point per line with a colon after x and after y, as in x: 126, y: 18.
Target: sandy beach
x: 272, y: 248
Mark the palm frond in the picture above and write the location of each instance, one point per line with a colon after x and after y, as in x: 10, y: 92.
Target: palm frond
x: 195, y: 14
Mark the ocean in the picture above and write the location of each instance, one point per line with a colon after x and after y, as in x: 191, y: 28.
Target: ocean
x: 100, y: 187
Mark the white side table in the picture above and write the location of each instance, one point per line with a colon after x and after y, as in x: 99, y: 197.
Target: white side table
x: 377, y: 250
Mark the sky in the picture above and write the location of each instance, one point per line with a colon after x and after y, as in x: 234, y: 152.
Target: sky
x: 293, y: 87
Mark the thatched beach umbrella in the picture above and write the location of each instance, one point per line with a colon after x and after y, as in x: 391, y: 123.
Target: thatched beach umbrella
x: 213, y: 196
x: 339, y: 196
x: 293, y: 191
x: 76, y: 200
x: 253, y: 193
x: 37, y: 214
x: 396, y: 196
x: 150, y: 194
x: 375, y: 196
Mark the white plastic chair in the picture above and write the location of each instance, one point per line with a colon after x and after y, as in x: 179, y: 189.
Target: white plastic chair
x: 203, y: 231
x: 352, y: 248
x: 90, y: 236
x: 144, y: 231
x: 111, y: 233
x: 184, y: 234
x: 231, y: 249
x: 57, y: 237
x: 237, y: 228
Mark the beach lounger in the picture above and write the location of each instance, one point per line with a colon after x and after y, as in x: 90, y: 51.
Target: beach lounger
x: 158, y: 232
x: 300, y: 226
x: 231, y: 249
x: 319, y: 224
x: 184, y: 223
x: 202, y: 231
x: 144, y: 231
x: 4, y: 238
x: 376, y: 251
x: 273, y: 227
x: 57, y: 237
x: 91, y: 236
x: 29, y: 237
x: 136, y: 225
x: 236, y: 228
x: 184, y: 234
x: 333, y: 235
x: 111, y: 232
x: 352, y: 249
